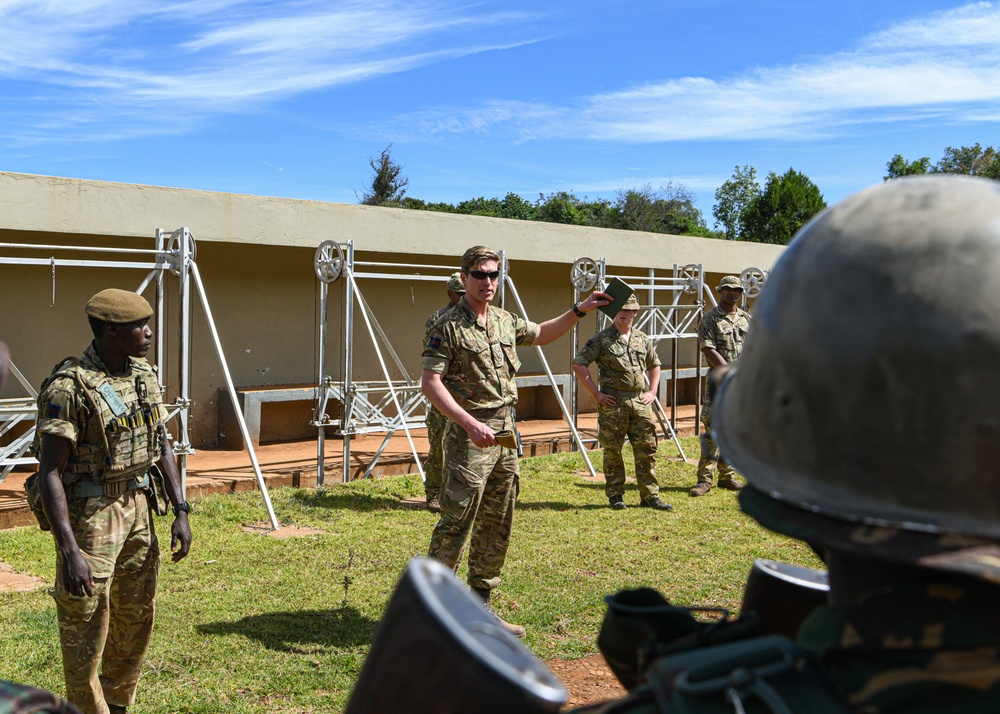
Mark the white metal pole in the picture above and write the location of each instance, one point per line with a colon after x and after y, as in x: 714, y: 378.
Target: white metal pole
x: 232, y: 395
x: 555, y: 389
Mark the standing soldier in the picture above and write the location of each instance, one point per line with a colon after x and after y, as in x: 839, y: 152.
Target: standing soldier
x: 625, y: 357
x: 469, y: 364
x: 720, y: 334
x: 436, y: 421
x: 100, y: 430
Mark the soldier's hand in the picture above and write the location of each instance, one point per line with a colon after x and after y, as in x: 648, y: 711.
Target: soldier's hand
x: 647, y: 397
x: 180, y: 534
x: 606, y: 399
x: 77, y: 576
x: 595, y: 300
x: 481, y: 435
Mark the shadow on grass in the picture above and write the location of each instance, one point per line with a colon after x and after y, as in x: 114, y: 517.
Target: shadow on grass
x: 351, y: 500
x: 295, y: 631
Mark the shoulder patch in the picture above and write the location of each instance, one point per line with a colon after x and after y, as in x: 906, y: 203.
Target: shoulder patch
x: 434, y: 342
x: 52, y: 411
x: 589, y: 342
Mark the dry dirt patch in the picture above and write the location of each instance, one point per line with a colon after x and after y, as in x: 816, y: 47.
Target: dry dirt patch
x: 588, y: 680
x: 265, y: 528
x: 11, y: 582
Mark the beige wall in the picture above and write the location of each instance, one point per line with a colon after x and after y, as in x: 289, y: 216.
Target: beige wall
x: 255, y: 255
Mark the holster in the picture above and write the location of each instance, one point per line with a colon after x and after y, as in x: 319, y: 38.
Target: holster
x: 157, y: 493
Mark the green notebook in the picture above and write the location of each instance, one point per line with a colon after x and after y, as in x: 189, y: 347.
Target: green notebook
x: 619, y: 292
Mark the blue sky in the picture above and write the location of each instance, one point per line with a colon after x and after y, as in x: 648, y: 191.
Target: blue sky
x: 478, y: 99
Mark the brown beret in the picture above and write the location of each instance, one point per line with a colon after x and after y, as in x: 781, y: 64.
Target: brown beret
x: 118, y: 306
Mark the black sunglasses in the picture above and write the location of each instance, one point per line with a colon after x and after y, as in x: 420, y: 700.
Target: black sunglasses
x: 482, y: 274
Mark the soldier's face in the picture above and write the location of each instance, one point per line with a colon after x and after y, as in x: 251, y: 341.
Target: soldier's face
x: 730, y: 296
x: 134, y: 338
x: 624, y: 318
x: 482, y: 288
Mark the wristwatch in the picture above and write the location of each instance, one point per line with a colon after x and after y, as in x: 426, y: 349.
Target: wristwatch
x: 182, y: 506
x: 578, y: 311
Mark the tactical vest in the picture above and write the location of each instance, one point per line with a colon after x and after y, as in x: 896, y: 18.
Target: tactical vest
x: 123, y: 415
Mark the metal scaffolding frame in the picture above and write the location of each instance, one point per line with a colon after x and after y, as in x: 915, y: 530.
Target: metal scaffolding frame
x: 660, y: 320
x: 172, y: 251
x: 672, y: 321
x: 360, y: 412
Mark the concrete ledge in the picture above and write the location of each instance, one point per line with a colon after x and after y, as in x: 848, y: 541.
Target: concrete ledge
x: 250, y: 400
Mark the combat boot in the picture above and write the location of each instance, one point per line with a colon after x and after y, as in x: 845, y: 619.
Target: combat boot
x: 516, y: 630
x: 701, y: 488
x: 433, y: 505
x: 617, y: 503
x: 730, y: 485
x: 656, y: 504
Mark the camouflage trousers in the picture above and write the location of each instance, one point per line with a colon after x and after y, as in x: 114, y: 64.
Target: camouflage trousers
x: 477, y: 504
x: 109, y: 630
x: 434, y: 465
x: 631, y: 418
x: 711, y: 460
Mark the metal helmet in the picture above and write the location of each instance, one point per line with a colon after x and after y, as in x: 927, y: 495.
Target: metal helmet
x: 865, y: 408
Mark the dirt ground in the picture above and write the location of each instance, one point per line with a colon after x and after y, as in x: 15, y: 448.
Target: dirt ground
x: 588, y: 680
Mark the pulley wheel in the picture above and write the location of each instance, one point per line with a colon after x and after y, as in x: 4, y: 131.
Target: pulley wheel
x: 328, y: 261
x: 584, y: 274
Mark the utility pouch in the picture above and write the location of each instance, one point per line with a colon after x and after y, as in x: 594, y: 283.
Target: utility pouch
x: 34, y: 493
x: 157, y: 492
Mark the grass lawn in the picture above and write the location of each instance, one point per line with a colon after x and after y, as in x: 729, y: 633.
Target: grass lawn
x: 250, y: 623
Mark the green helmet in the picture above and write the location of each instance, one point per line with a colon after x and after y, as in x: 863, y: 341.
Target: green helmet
x: 865, y: 408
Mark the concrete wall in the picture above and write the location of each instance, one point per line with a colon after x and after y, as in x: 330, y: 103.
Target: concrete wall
x: 255, y: 255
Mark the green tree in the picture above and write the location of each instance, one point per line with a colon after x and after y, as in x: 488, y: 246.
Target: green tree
x: 965, y: 160
x: 898, y: 166
x: 388, y: 185
x: 970, y: 161
x: 782, y: 208
x: 669, y: 210
x: 560, y: 207
x: 732, y: 199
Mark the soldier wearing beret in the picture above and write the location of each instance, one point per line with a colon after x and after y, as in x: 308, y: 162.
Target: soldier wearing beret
x: 436, y: 421
x: 100, y: 432
x: 469, y: 365
x: 721, y: 334
x: 625, y: 358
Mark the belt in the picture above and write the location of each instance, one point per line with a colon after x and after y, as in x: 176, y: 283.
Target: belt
x: 111, y: 489
x: 495, y: 413
x: 624, y: 393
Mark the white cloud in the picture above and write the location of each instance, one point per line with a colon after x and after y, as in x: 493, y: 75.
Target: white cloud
x: 125, y: 61
x: 944, y: 63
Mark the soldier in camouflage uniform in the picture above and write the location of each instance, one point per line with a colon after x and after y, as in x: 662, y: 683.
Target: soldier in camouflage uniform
x: 436, y: 421
x: 469, y: 365
x: 625, y: 357
x: 100, y: 430
x: 868, y: 426
x: 721, y: 334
